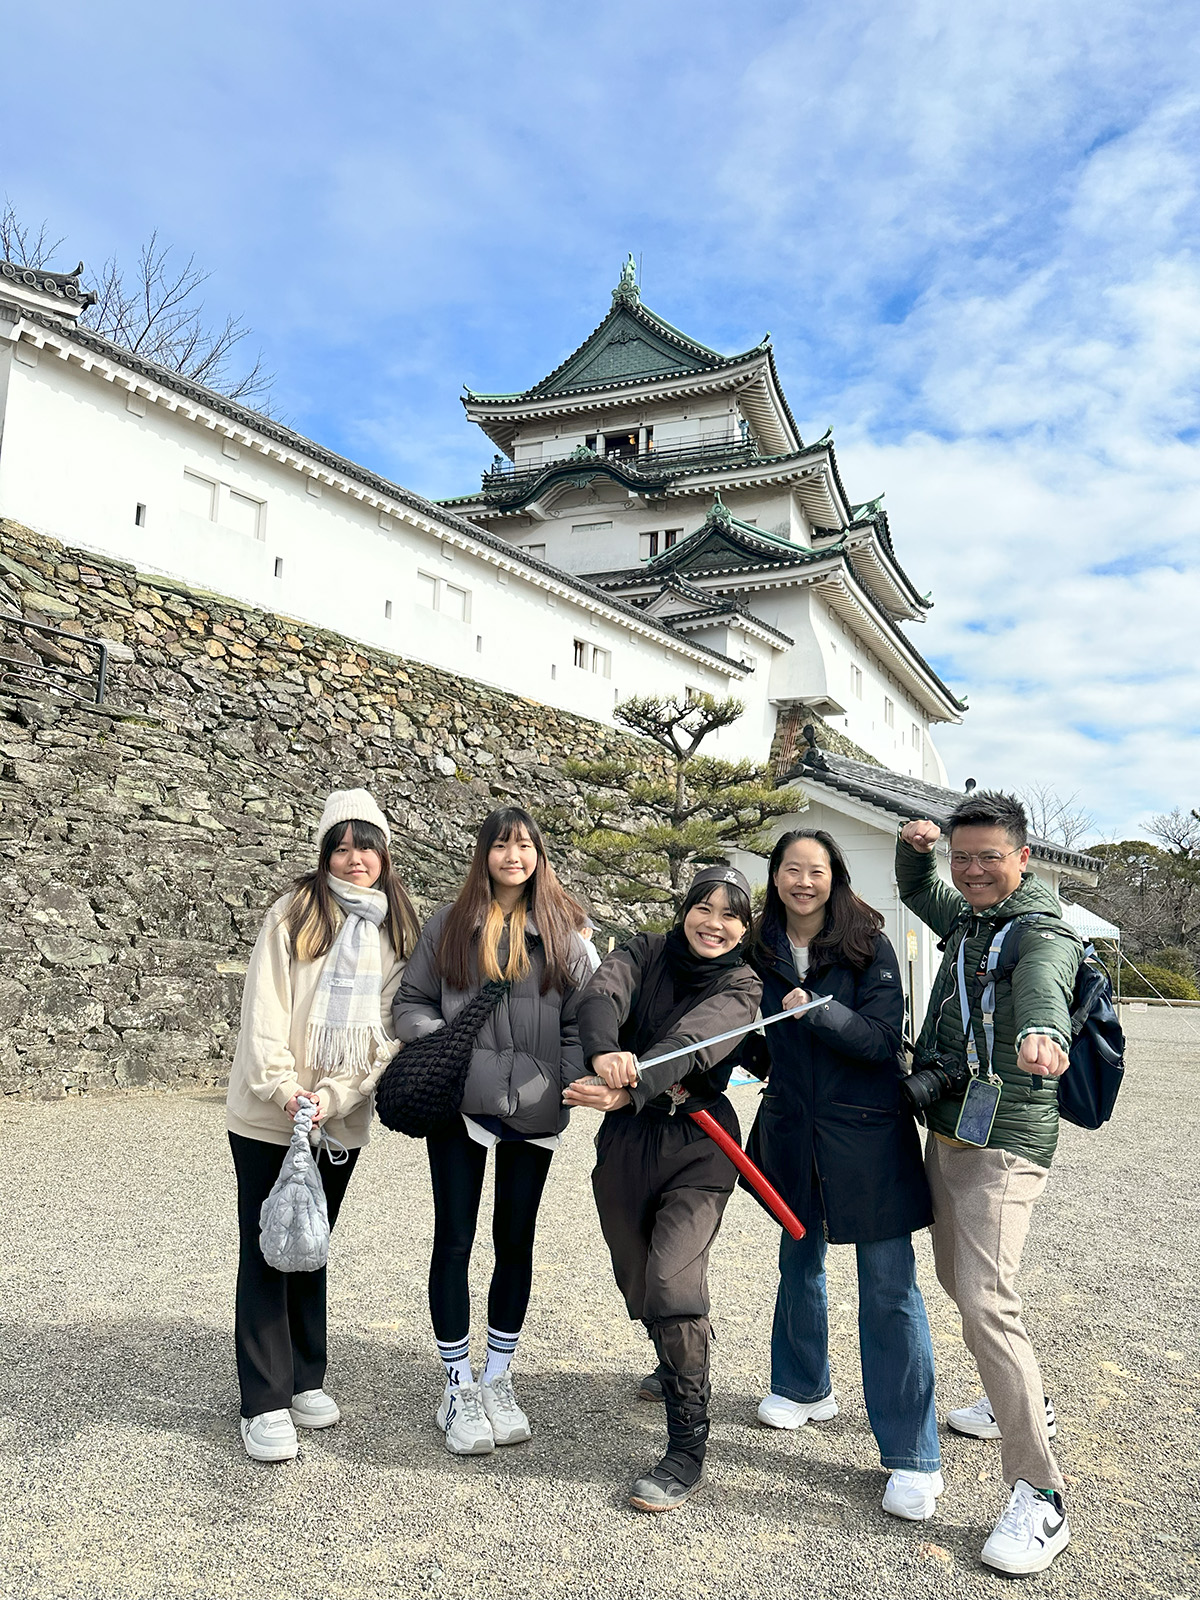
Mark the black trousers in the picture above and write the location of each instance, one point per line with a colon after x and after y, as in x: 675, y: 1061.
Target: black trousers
x: 456, y: 1166
x: 279, y: 1317
x: 661, y: 1188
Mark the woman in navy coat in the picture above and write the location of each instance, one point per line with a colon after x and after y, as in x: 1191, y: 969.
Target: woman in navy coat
x: 833, y: 1135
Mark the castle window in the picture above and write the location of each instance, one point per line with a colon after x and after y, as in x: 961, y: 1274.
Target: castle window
x: 620, y: 446
x: 670, y: 537
x: 889, y: 712
x: 602, y: 663
x: 537, y: 551
x: 387, y: 609
x: 454, y: 602
x: 242, y: 514
x: 916, y: 736
x: 590, y: 658
x: 279, y: 566
x: 648, y: 543
x: 581, y: 654
x: 199, y: 496
x: 856, y: 682
x: 139, y: 516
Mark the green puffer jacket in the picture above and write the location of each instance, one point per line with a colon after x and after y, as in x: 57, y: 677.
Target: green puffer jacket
x: 1037, y: 998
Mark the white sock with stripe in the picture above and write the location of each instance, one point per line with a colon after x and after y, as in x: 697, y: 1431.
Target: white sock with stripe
x: 456, y: 1358
x: 501, y: 1349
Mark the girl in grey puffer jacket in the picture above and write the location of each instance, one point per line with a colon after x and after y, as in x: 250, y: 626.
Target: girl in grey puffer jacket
x: 512, y: 920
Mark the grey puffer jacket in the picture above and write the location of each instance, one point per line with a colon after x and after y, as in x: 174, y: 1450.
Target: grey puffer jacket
x: 527, y: 1051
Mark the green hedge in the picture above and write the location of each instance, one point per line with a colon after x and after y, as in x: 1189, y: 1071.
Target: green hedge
x: 1171, y: 985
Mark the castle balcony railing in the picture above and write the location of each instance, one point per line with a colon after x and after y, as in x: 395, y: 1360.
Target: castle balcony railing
x: 32, y: 656
x: 653, y: 466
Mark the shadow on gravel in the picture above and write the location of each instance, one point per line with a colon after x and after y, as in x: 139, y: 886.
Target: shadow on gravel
x: 172, y: 1380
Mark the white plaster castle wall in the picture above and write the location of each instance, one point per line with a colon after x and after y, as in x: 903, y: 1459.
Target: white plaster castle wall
x: 75, y: 463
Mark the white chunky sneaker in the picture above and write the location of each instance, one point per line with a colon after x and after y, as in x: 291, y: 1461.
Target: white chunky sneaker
x: 313, y: 1408
x: 1030, y: 1533
x: 978, y: 1421
x: 778, y: 1412
x: 462, y: 1419
x: 270, y: 1436
x: 913, y: 1495
x: 509, y: 1423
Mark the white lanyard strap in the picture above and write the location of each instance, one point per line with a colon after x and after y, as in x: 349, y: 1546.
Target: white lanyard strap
x: 987, y: 1002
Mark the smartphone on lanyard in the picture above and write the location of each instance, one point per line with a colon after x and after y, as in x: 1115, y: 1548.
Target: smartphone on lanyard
x: 978, y: 1111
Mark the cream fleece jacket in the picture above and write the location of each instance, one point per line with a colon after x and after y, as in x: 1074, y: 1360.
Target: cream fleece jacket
x: 270, y: 1063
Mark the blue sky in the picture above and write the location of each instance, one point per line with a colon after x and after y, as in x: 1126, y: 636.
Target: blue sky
x: 971, y: 231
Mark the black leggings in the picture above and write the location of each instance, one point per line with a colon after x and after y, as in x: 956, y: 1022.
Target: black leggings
x: 456, y: 1165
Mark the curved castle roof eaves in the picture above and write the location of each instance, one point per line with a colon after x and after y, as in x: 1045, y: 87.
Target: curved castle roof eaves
x: 257, y: 422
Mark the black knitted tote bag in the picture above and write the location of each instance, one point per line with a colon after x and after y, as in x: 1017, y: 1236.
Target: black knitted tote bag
x: 422, y: 1086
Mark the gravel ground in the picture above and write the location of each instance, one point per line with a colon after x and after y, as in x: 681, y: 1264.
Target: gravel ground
x: 124, y: 1478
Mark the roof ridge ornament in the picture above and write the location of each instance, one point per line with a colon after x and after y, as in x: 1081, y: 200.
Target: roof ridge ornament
x: 720, y: 511
x: 627, y: 291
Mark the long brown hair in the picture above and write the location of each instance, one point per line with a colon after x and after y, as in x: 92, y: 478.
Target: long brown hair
x: 851, y: 926
x: 313, y: 917
x: 469, y: 945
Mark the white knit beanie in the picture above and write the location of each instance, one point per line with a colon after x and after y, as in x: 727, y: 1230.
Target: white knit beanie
x: 351, y: 805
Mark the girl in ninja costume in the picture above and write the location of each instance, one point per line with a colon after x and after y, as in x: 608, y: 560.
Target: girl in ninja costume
x: 661, y: 1184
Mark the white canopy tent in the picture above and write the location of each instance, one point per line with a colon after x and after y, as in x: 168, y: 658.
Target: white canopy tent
x: 1087, y: 924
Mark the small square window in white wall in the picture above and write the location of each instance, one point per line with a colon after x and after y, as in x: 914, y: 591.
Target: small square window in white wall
x: 455, y: 602
x: 889, y: 712
x: 602, y: 663
x: 199, y: 496
x: 648, y: 545
x: 243, y: 514
x: 427, y: 590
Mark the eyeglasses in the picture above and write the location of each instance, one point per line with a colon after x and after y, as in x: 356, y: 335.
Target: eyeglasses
x: 985, y: 858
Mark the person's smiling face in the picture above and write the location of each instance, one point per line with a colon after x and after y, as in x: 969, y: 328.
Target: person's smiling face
x: 986, y: 865
x: 804, y: 878
x: 353, y: 865
x: 512, y: 861
x: 711, y: 928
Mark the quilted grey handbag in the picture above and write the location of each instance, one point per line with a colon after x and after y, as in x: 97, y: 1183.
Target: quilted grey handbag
x: 294, y: 1220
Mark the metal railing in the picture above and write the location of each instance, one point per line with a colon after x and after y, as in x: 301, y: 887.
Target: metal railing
x: 649, y: 464
x: 30, y: 656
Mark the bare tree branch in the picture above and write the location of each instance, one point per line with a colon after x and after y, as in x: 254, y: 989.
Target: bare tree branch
x: 156, y: 312
x: 1053, y: 818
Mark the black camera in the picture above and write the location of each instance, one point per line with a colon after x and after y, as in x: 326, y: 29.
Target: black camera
x: 931, y: 1081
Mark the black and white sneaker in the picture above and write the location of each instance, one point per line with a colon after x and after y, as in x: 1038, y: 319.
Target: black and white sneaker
x: 978, y: 1421
x: 1031, y: 1532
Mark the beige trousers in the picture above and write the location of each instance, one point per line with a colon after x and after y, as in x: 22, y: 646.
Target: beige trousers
x: 982, y: 1205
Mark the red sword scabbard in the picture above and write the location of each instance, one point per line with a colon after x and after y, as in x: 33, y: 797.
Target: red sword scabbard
x: 758, y: 1181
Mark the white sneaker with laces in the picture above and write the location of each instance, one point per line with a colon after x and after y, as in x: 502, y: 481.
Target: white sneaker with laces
x: 270, y: 1436
x: 313, y: 1408
x: 978, y: 1421
x: 509, y: 1423
x: 462, y: 1419
x: 776, y: 1411
x: 912, y: 1495
x: 1030, y: 1533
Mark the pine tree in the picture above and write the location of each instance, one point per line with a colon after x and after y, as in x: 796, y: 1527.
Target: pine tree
x: 692, y: 811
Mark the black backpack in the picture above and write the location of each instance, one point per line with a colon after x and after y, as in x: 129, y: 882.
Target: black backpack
x: 1088, y: 1089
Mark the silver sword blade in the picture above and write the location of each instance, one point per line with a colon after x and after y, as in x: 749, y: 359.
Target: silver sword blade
x: 732, y: 1033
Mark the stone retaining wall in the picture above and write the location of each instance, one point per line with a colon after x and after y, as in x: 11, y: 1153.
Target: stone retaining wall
x: 141, y: 843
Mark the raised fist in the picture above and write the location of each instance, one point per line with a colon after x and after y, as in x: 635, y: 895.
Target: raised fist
x: 921, y: 835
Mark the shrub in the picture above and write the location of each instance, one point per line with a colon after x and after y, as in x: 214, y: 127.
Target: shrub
x: 1175, y: 959
x: 1170, y: 985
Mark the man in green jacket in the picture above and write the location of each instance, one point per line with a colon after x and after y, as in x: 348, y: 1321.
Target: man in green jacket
x: 983, y: 1194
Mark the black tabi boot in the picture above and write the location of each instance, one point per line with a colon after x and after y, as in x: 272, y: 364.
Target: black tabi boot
x: 683, y: 1362
x: 652, y: 1384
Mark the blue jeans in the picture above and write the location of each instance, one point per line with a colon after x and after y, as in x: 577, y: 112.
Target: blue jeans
x: 893, y: 1340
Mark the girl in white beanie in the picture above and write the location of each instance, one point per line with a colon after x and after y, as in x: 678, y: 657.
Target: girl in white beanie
x: 316, y: 1029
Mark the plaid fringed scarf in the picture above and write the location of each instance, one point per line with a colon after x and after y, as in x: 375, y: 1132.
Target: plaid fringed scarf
x: 344, y: 1025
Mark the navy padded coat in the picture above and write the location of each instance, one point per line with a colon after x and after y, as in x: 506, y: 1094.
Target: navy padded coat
x: 832, y: 1131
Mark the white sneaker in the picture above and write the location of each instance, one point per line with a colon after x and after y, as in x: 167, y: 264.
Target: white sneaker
x: 270, y: 1436
x: 778, y: 1412
x: 509, y: 1423
x: 1030, y: 1533
x: 463, y: 1420
x: 313, y: 1408
x: 978, y: 1421
x: 913, y: 1495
